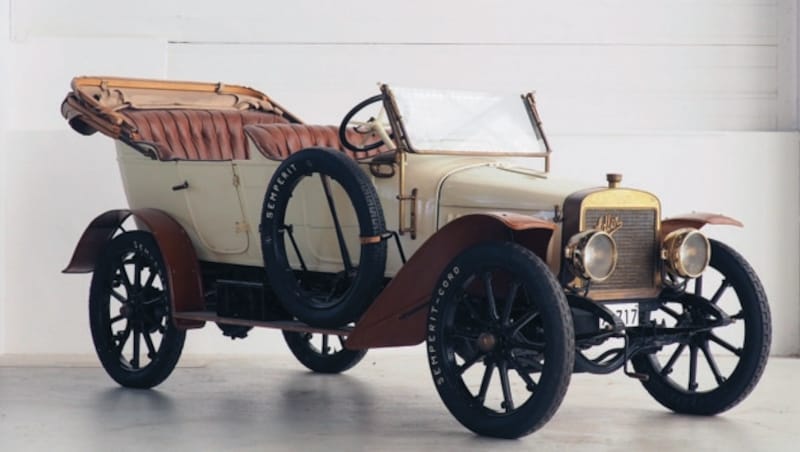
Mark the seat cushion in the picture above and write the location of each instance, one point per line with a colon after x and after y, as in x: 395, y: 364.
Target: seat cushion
x: 189, y: 134
x: 279, y: 141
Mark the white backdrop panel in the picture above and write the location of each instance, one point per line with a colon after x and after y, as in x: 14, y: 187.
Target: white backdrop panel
x: 671, y: 22
x: 580, y: 89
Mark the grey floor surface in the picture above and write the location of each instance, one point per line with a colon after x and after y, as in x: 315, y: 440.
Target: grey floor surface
x: 387, y: 403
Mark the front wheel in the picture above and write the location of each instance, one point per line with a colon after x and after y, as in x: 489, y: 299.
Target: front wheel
x: 500, y: 340
x: 129, y: 312
x: 715, y: 368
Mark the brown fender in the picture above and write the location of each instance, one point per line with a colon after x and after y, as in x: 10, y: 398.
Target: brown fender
x: 696, y: 220
x: 186, y: 289
x: 398, y: 315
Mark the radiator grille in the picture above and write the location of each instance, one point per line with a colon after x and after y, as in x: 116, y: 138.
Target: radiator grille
x: 636, y: 247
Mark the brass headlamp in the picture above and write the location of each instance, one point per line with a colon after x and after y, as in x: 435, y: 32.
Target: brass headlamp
x: 686, y: 253
x: 592, y: 255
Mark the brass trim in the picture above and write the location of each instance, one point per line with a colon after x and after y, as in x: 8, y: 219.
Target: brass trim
x: 670, y: 252
x: 370, y: 240
x: 617, y: 199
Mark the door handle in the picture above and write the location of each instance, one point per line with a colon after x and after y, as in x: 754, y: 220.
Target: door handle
x: 182, y: 186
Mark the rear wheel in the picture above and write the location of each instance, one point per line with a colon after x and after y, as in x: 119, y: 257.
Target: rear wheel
x: 713, y: 369
x: 322, y: 353
x: 129, y: 312
x: 500, y: 340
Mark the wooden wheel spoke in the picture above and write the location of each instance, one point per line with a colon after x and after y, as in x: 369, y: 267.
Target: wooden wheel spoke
x: 524, y: 320
x: 116, y: 319
x: 137, y: 272
x: 725, y: 344
x: 490, y: 300
x: 712, y: 363
x: 151, y: 349
x: 150, y: 279
x: 505, y: 319
x: 126, y: 280
x: 123, y: 338
x: 720, y: 291
x: 525, y: 344
x: 136, y: 348
x: 325, y: 348
x: 667, y: 369
x: 692, y: 368
x: 469, y: 363
x: 487, y: 378
x: 118, y: 296
x: 530, y: 385
x: 508, y: 399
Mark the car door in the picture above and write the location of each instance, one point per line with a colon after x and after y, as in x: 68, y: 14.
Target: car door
x: 210, y: 190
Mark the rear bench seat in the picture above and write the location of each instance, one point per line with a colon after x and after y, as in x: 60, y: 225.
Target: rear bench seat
x: 189, y: 134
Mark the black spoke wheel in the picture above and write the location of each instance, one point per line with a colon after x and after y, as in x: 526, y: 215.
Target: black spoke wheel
x: 129, y: 312
x: 335, y: 288
x: 715, y: 368
x: 500, y: 340
x: 322, y: 353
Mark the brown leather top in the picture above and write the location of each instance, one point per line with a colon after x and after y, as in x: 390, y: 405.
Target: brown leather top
x: 279, y: 141
x: 197, y: 134
x: 179, y: 120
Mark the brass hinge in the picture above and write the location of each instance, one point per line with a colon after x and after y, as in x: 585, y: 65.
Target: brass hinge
x: 242, y: 227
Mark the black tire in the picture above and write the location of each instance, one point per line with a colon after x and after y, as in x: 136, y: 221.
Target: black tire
x: 344, y: 296
x: 533, y: 335
x: 325, y: 358
x: 121, y: 308
x: 725, y: 389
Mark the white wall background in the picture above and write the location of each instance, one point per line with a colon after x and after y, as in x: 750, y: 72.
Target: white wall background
x: 694, y: 100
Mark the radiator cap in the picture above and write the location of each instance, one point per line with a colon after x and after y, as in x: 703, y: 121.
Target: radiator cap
x: 613, y: 179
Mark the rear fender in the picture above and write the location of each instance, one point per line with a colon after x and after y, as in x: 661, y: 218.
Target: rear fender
x: 696, y: 220
x: 398, y: 315
x: 186, y: 288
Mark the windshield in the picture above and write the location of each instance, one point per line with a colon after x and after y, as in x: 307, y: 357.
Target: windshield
x: 467, y: 122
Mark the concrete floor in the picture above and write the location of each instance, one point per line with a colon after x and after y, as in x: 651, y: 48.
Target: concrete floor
x: 388, y: 402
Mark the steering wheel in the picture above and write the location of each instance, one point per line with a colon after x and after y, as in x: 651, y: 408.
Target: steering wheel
x: 374, y: 128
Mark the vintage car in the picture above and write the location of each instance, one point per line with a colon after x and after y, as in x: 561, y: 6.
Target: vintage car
x: 426, y: 216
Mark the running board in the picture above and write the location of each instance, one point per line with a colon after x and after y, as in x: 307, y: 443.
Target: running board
x: 286, y: 325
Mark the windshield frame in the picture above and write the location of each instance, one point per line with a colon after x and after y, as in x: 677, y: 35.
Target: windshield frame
x: 404, y: 144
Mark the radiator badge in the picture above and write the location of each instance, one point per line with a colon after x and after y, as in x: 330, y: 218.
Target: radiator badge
x: 608, y: 224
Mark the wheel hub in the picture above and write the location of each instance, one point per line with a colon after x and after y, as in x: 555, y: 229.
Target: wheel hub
x: 487, y: 342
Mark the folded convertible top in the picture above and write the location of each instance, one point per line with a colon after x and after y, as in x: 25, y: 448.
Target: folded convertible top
x: 103, y: 103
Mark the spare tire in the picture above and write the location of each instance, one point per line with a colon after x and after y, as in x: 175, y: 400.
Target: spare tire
x: 323, y: 297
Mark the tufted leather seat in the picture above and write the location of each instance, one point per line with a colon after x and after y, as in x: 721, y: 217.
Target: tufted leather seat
x: 279, y: 141
x: 190, y: 134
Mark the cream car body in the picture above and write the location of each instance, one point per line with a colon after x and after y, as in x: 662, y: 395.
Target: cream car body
x: 221, y: 209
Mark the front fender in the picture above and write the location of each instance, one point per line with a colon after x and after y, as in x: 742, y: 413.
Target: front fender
x: 696, y: 220
x: 397, y: 316
x: 186, y: 287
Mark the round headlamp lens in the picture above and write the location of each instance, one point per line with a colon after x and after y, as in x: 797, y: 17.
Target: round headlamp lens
x: 592, y: 255
x: 599, y: 257
x: 694, y: 254
x: 686, y: 252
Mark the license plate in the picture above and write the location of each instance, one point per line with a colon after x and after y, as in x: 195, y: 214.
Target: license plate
x: 627, y: 312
